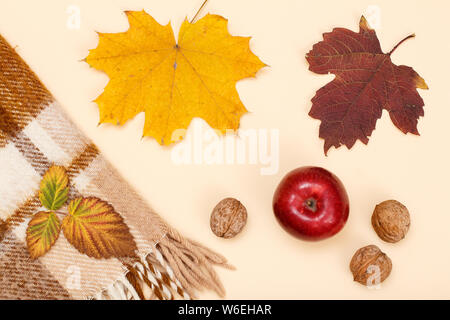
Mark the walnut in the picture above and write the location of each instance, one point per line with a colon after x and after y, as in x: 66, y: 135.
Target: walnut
x: 391, y: 221
x: 228, y: 218
x: 370, y: 266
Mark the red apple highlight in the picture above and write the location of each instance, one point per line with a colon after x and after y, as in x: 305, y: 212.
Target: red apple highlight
x: 311, y: 203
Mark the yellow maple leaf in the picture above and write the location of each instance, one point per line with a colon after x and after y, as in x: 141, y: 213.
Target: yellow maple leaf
x: 173, y: 82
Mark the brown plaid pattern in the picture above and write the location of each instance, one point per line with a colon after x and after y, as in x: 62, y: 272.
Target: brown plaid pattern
x: 34, y: 134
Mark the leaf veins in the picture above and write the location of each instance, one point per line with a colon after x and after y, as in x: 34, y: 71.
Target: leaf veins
x: 366, y: 82
x: 173, y: 81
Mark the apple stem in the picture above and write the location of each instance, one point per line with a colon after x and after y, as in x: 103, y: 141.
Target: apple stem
x: 398, y: 44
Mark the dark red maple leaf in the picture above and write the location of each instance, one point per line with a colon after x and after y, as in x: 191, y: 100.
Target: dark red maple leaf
x: 366, y: 82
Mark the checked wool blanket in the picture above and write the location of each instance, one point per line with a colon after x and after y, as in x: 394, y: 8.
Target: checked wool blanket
x: 36, y: 134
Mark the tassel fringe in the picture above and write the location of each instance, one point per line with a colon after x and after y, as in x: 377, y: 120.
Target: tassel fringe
x: 175, y: 269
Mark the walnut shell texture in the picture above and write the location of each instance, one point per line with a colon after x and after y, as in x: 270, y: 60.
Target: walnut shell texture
x: 228, y: 218
x: 370, y: 266
x: 391, y: 220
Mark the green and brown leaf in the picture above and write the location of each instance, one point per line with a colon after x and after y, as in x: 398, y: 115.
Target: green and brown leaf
x: 42, y: 232
x: 95, y: 229
x: 54, y: 188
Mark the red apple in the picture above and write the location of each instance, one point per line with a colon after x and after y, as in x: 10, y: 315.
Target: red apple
x: 311, y: 203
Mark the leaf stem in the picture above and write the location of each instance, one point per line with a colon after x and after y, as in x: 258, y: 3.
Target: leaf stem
x: 60, y: 212
x: 198, y: 11
x: 398, y: 44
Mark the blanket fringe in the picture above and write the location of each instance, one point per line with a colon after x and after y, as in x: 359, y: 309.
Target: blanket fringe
x: 175, y: 269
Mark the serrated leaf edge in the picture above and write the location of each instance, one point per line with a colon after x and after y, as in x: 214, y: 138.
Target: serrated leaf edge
x: 72, y: 217
x: 61, y: 191
x: 52, y: 217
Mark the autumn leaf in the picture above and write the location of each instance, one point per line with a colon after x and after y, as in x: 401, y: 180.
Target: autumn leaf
x: 366, y: 82
x: 173, y: 82
x: 54, y: 188
x: 95, y: 229
x: 42, y: 232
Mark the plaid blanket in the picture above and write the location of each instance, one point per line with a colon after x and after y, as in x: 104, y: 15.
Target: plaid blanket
x: 35, y: 134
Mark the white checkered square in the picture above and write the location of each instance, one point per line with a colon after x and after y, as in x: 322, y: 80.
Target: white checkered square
x: 82, y: 182
x: 61, y: 130
x: 44, y: 142
x: 18, y: 180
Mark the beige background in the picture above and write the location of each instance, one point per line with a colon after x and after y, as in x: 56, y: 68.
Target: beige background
x: 270, y: 263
